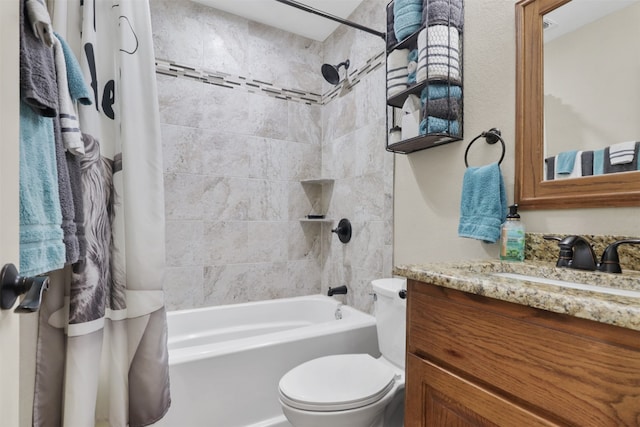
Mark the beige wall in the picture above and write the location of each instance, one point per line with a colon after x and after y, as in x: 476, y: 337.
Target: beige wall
x: 428, y: 183
x: 9, y: 322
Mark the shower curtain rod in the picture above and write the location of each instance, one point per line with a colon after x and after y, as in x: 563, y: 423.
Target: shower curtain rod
x: 310, y: 9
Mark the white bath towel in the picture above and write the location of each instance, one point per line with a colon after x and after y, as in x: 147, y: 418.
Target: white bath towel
x: 69, y: 125
x: 421, y: 72
x: 397, y: 73
x: 40, y: 21
x: 577, y: 168
x: 439, y: 53
x: 622, y: 153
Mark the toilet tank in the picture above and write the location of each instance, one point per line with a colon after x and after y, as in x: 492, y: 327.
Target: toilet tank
x: 390, y: 313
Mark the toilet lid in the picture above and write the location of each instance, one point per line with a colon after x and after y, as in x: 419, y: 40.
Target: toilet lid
x: 335, y: 383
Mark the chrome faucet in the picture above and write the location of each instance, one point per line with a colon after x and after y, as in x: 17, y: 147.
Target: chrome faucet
x: 576, y: 252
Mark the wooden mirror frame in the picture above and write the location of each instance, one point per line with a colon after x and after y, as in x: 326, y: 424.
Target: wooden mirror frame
x: 531, y: 190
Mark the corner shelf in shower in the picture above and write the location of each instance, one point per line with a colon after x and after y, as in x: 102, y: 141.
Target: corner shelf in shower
x: 322, y: 182
x: 317, y: 220
x: 317, y: 181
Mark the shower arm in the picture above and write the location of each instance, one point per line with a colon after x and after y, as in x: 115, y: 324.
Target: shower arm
x: 310, y: 9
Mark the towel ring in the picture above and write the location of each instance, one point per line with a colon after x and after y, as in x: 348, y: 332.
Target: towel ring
x: 492, y: 136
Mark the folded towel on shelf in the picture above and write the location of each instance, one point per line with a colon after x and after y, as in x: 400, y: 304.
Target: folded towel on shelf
x: 78, y: 88
x: 587, y: 163
x: 407, y: 17
x: 563, y: 165
x: 439, y: 90
x: 38, y: 87
x: 421, y: 72
x: 413, y: 55
x: 69, y: 124
x: 443, y: 53
x: 430, y: 125
x: 391, y: 35
x: 41, y: 244
x: 549, y: 169
x: 439, y: 54
x: 565, y: 162
x: 411, y: 72
x: 598, y: 162
x: 608, y: 167
x: 622, y: 153
x: 445, y: 108
x: 443, y: 12
x: 397, y: 73
x: 412, y: 66
x: 483, y: 205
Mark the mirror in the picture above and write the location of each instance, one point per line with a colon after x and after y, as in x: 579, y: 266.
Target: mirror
x: 532, y: 191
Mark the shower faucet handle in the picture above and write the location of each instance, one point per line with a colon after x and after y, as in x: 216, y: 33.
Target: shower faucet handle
x: 343, y: 230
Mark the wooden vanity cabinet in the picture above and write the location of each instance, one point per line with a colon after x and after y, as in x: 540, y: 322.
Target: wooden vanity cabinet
x: 478, y: 361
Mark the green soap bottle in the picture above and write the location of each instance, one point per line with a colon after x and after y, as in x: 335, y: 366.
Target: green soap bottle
x: 512, y: 237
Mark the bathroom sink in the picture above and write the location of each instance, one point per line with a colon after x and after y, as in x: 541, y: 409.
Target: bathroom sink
x: 571, y: 285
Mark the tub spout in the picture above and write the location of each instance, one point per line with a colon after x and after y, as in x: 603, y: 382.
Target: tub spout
x: 339, y: 290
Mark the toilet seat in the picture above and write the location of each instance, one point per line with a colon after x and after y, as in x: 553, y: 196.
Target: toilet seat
x: 336, y: 383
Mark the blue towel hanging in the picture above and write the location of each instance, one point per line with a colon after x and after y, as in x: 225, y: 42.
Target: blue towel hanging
x: 483, y: 205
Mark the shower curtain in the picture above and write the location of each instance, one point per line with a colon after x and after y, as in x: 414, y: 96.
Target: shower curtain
x: 102, y: 355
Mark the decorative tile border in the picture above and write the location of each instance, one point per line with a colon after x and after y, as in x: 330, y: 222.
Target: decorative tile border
x: 218, y: 78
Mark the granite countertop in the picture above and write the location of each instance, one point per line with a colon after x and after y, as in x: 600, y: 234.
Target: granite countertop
x: 478, y: 277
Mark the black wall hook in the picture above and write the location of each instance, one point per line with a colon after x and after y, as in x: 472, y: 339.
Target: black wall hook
x: 13, y: 285
x: 343, y: 230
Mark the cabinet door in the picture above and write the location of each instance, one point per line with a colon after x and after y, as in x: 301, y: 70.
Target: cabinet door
x: 436, y: 397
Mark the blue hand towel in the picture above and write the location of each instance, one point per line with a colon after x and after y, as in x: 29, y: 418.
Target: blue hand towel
x: 407, y: 17
x: 413, y: 55
x: 78, y: 88
x: 565, y: 162
x: 41, y: 245
x: 438, y: 125
x: 438, y: 91
x: 598, y: 162
x: 483, y: 206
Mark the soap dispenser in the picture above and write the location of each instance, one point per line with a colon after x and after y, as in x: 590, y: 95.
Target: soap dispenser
x: 512, y: 237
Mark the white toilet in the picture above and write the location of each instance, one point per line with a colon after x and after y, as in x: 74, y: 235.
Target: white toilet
x: 354, y: 390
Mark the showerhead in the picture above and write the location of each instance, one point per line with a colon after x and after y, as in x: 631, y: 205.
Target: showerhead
x: 331, y: 72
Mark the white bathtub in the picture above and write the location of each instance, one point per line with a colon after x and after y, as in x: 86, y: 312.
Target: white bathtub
x: 225, y: 362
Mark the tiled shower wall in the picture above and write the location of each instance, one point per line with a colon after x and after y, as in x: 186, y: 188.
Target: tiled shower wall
x: 353, y: 152
x: 242, y: 124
